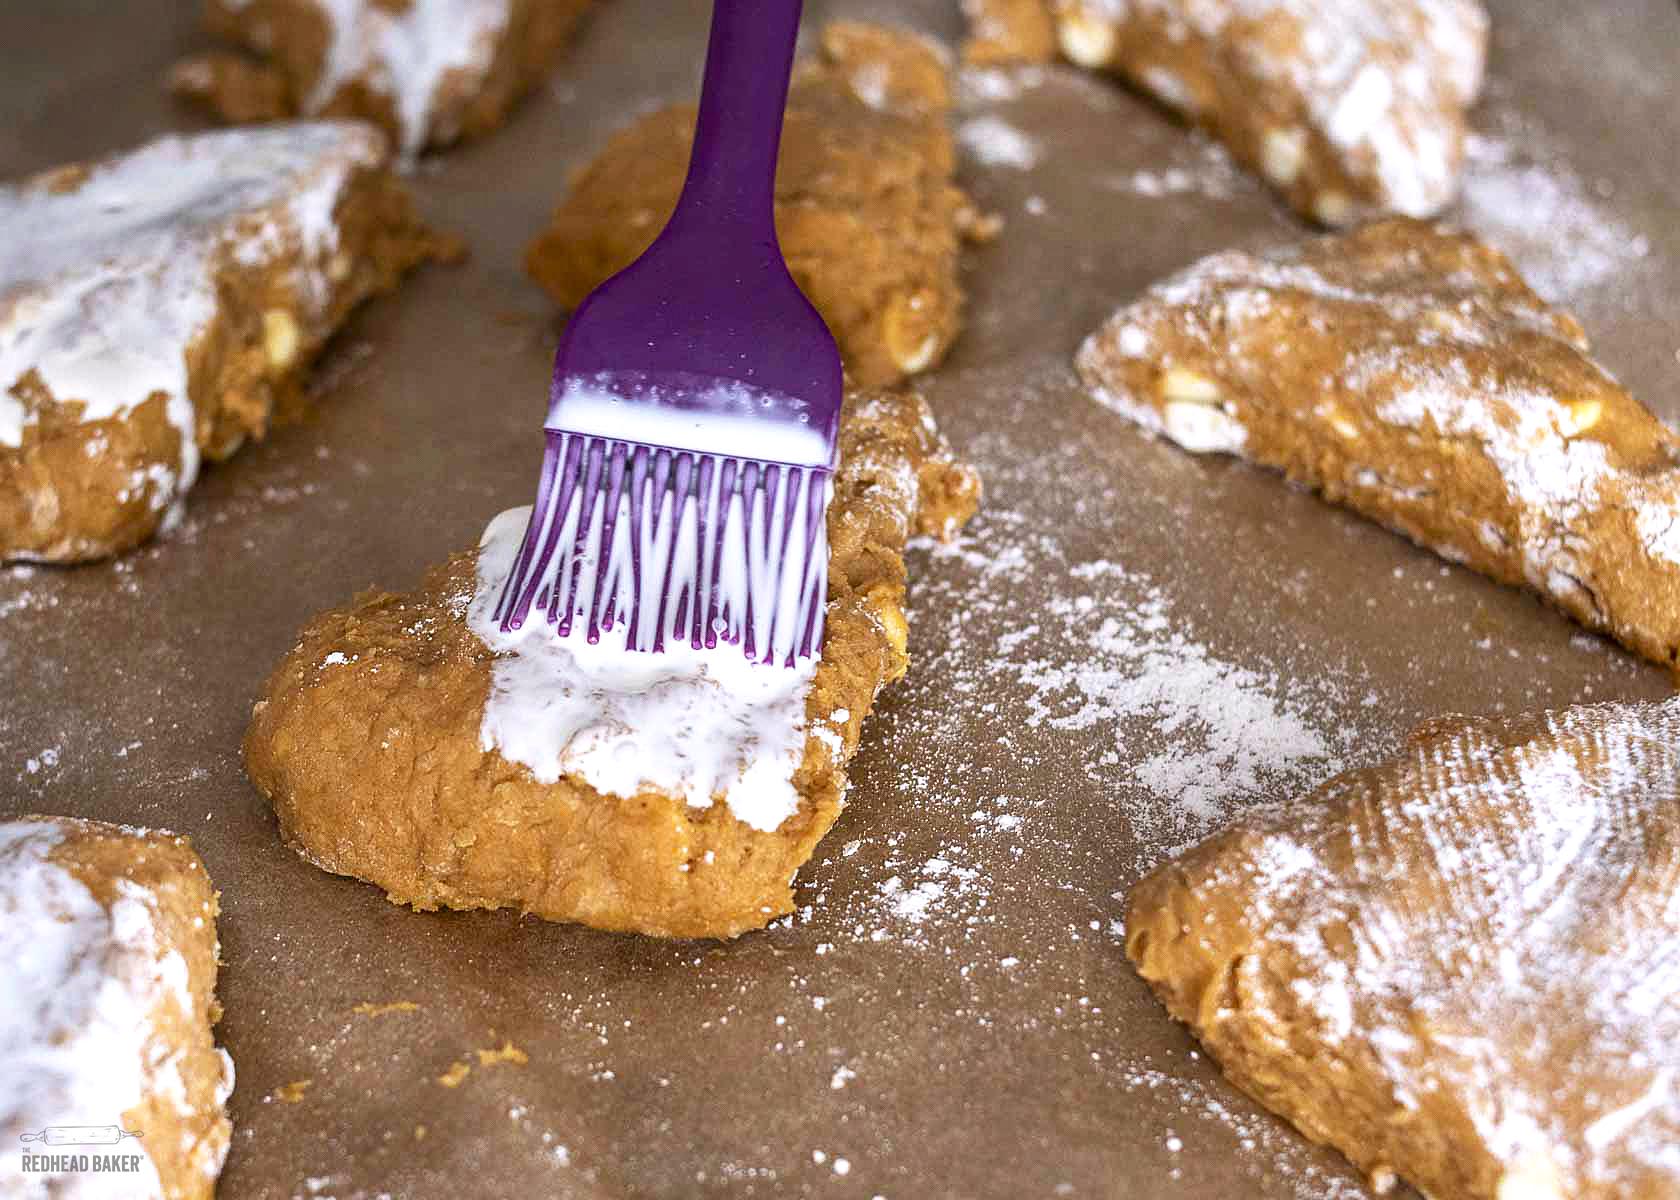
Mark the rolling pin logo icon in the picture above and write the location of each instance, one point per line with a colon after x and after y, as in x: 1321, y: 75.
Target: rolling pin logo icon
x: 79, y: 1135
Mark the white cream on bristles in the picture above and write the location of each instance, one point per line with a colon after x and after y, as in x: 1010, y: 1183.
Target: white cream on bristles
x: 695, y: 723
x: 76, y: 998
x: 730, y: 418
x: 105, y: 286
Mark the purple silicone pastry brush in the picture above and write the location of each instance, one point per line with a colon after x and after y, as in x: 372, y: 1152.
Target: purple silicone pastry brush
x: 694, y: 416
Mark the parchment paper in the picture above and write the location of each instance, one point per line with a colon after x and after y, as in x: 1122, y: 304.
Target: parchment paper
x: 1130, y: 644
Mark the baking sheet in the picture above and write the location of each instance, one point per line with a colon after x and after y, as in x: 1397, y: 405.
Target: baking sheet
x: 1129, y: 644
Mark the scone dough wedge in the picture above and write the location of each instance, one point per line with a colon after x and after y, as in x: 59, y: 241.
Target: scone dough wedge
x: 868, y: 216
x: 109, y: 938
x: 157, y: 308
x: 1459, y: 968
x: 1406, y: 371
x: 1351, y: 109
x: 429, y: 72
x: 367, y: 739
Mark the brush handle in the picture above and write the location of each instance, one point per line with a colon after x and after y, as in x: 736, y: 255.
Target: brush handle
x: 731, y: 183
x: 711, y: 304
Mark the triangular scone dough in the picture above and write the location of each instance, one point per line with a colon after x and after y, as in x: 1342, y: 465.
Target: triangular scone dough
x: 1351, y: 109
x: 1461, y: 968
x: 163, y: 305
x: 367, y: 739
x: 1407, y: 372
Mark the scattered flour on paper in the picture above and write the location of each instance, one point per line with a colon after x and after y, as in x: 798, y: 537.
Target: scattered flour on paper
x: 1189, y: 163
x: 1186, y: 736
x: 1172, y: 739
x: 997, y: 85
x: 1270, y: 1142
x: 993, y: 142
x: 1228, y: 731
x: 1554, y: 224
x: 1196, y: 166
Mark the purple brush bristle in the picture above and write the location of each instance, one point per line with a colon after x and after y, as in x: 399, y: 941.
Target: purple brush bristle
x: 694, y: 416
x: 697, y: 547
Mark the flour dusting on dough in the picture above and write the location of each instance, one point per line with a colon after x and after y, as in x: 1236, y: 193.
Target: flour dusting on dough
x: 1497, y: 877
x: 1379, y: 88
x: 76, y: 1002
x: 693, y: 723
x: 1460, y: 365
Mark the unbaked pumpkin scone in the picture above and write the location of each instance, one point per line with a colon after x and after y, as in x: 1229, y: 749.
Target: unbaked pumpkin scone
x: 1351, y: 109
x: 111, y: 1084
x: 1407, y: 372
x: 407, y: 742
x: 1458, y: 968
x: 429, y: 72
x: 869, y: 220
x: 157, y: 308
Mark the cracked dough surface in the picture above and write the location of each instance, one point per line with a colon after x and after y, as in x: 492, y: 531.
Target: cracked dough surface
x: 1459, y: 967
x: 868, y: 216
x: 1407, y: 372
x: 374, y: 766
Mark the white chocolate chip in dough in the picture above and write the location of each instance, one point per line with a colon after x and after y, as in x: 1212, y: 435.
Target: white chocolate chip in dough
x: 280, y: 338
x: 1580, y: 416
x: 1532, y: 1177
x: 910, y: 345
x: 1182, y: 384
x: 919, y: 357
x: 1338, y: 421
x: 1170, y: 87
x: 1333, y: 208
x: 1203, y: 428
x: 1088, y: 41
x: 1283, y: 152
x: 1191, y: 415
x: 1443, y: 319
x: 889, y: 613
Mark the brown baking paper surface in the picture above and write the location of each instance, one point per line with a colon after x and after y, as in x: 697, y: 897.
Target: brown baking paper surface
x: 1129, y: 644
